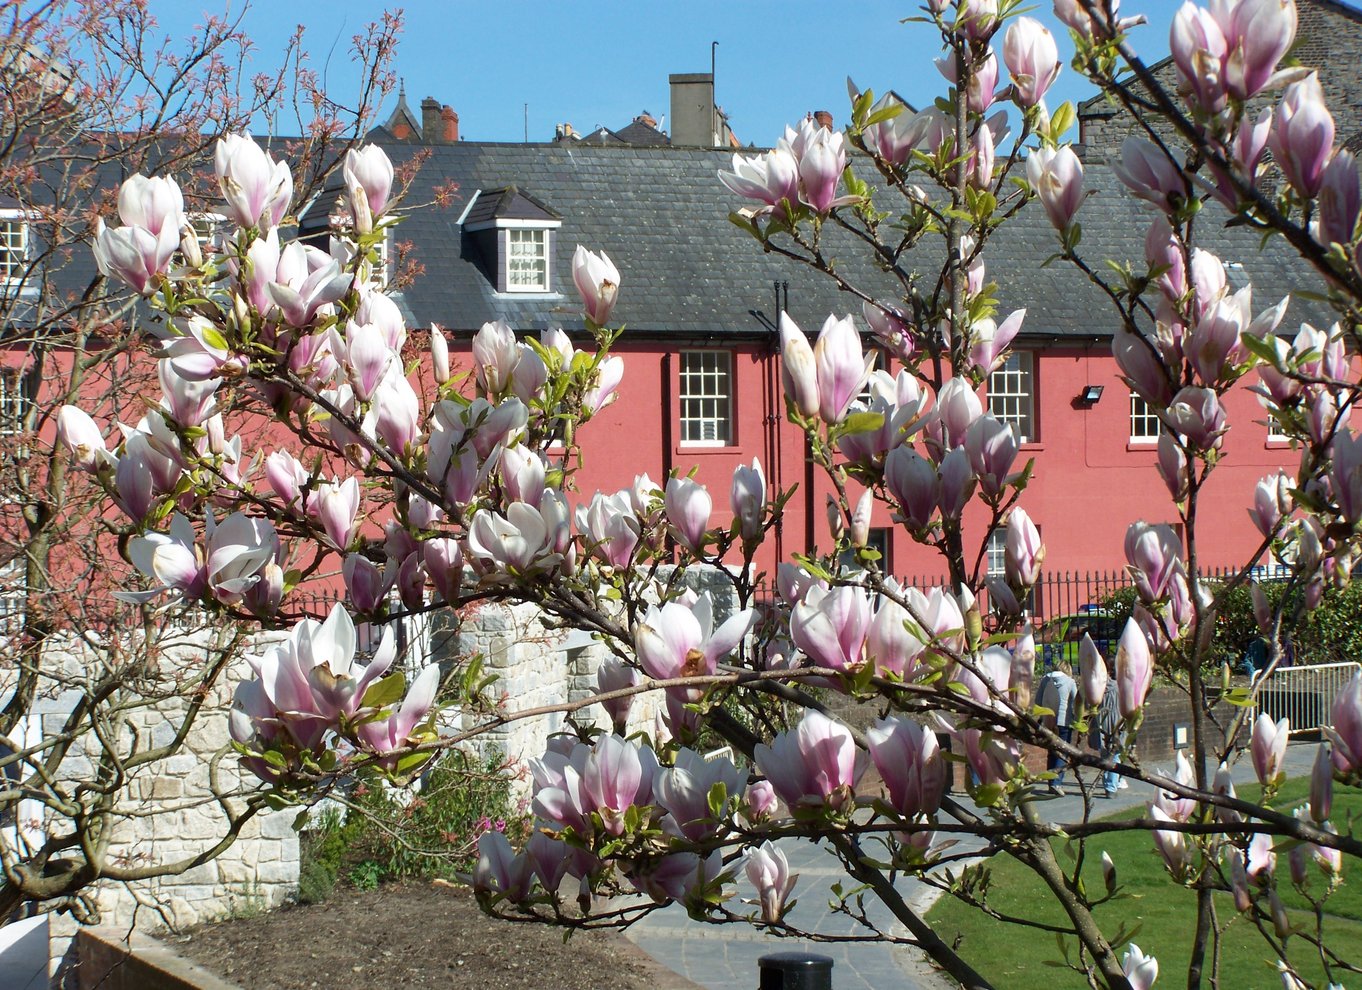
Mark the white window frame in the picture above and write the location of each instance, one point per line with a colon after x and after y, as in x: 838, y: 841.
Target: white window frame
x: 721, y: 396
x: 539, y: 258
x: 14, y: 400
x: 1142, y: 415
x: 1274, y: 430
x: 1012, y: 394
x: 15, y: 225
x: 995, y: 553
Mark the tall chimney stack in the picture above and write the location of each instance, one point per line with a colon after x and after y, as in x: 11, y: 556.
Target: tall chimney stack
x: 430, y: 120
x: 695, y: 121
x: 449, y: 125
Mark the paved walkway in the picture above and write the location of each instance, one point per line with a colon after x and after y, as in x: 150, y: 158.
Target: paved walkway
x: 724, y: 957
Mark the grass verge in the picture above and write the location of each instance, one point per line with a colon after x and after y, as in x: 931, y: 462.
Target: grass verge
x: 1162, y: 913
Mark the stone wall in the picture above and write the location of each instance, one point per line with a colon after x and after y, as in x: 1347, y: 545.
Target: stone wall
x: 168, y: 810
x: 538, y: 665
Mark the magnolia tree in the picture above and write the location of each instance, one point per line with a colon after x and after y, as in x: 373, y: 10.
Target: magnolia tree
x: 97, y: 703
x: 451, y: 489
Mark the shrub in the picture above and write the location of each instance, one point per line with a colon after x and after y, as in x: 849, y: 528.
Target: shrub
x: 433, y: 834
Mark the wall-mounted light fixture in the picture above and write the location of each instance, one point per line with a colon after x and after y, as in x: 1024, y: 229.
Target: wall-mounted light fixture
x: 1180, y: 737
x: 1090, y: 394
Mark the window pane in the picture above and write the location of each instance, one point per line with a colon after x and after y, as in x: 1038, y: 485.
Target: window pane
x: 13, y: 400
x: 13, y: 249
x: 706, y: 397
x: 1011, y: 395
x: 528, y: 262
x: 1144, y: 422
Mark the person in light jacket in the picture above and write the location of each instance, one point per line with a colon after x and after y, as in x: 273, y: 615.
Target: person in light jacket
x: 1058, y: 692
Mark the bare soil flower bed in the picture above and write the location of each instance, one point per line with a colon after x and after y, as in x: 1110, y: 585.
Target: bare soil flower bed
x: 416, y: 935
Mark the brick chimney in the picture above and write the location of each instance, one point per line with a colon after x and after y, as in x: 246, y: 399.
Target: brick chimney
x: 430, y: 120
x: 646, y: 118
x: 449, y: 125
x: 824, y: 119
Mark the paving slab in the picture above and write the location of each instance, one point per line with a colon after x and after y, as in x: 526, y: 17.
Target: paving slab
x: 724, y: 957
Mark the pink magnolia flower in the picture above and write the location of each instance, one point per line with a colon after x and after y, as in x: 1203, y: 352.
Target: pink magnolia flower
x: 748, y: 499
x: 1322, y: 783
x: 1056, y: 175
x: 1134, y: 669
x: 891, y: 327
x: 616, y: 776
x: 768, y: 871
x: 615, y: 675
x: 1172, y: 465
x: 598, y: 283
x: 913, y: 482
x: 822, y: 158
x: 1154, y: 554
x: 610, y: 527
x: 910, y: 762
x: 368, y: 175
x: 1023, y: 551
x: 81, y: 435
x: 683, y: 791
x: 678, y: 640
x: 366, y: 583
x: 306, y: 282
x: 798, y: 370
x: 990, y: 340
x: 688, y: 505
x: 1273, y: 502
x: 1199, y: 48
x: 527, y: 539
x: 957, y: 407
x: 769, y: 178
x: 890, y: 641
x: 1149, y: 174
x: 842, y: 367
x: 1340, y: 200
x: 1268, y: 748
x: 1092, y: 676
x: 1198, y: 415
x: 499, y: 871
x: 394, y: 733
x: 495, y: 355
x: 830, y: 626
x: 1141, y: 970
x: 1141, y: 367
x: 1033, y: 59
x: 1302, y: 135
x: 1345, y: 473
x: 815, y: 765
x: 609, y: 374
x: 760, y: 802
x: 336, y: 506
x: 1345, y: 728
x: 257, y: 189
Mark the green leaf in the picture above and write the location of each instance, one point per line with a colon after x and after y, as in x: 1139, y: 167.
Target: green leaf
x: 862, y: 422
x: 385, y: 691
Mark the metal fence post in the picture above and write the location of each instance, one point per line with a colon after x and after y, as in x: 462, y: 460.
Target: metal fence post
x: 795, y: 971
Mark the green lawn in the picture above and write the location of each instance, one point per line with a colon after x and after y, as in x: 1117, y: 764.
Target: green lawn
x: 1021, y: 958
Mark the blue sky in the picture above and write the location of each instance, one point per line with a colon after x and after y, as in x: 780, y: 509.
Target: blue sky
x: 594, y: 62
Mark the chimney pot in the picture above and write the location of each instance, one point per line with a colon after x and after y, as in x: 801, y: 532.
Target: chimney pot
x: 824, y: 119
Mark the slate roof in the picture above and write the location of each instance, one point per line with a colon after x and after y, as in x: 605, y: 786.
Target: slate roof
x: 661, y: 215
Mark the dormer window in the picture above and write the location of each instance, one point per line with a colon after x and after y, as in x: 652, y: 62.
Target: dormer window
x: 515, y: 235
